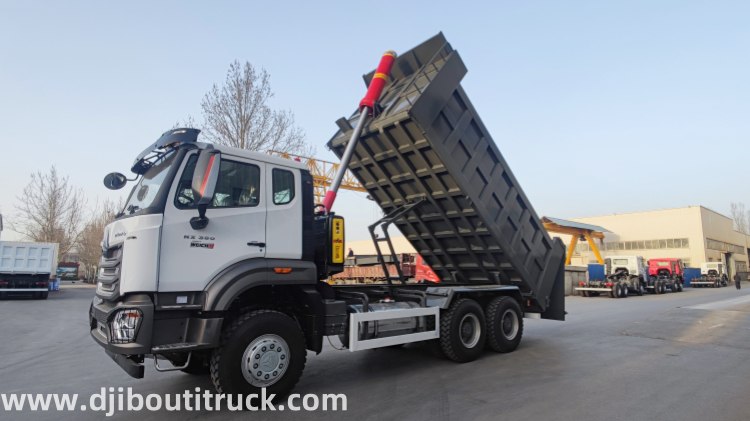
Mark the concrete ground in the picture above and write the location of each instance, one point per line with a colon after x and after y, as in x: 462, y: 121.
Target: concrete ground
x: 681, y: 356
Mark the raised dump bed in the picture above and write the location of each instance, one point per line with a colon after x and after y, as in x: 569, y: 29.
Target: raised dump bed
x: 474, y: 224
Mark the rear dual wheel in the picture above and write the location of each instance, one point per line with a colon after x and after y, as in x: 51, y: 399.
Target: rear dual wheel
x: 462, y: 331
x: 504, y: 324
x: 465, y: 328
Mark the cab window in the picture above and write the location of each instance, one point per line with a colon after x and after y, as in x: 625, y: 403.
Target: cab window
x: 238, y: 185
x: 283, y: 186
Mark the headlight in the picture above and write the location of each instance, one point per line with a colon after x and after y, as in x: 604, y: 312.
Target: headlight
x: 124, y: 325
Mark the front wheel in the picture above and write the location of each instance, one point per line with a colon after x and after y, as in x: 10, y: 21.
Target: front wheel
x: 462, y: 331
x: 260, y: 349
x: 504, y: 324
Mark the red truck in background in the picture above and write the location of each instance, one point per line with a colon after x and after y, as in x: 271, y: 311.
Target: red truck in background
x: 669, y: 270
x: 424, y: 273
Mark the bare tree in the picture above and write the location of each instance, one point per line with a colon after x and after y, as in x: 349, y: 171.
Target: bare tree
x: 89, y: 246
x: 237, y: 114
x: 741, y: 217
x: 50, y: 210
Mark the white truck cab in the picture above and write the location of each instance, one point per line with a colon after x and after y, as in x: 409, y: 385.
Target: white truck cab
x: 635, y: 265
x: 718, y: 268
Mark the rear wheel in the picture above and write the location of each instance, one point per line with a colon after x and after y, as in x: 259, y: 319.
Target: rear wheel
x: 260, y: 349
x: 585, y: 293
x: 462, y: 331
x: 504, y: 324
x: 624, y: 290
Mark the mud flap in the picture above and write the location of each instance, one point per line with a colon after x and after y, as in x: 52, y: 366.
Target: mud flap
x: 556, y: 306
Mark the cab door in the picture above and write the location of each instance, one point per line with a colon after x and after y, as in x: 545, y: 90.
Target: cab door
x: 236, y: 230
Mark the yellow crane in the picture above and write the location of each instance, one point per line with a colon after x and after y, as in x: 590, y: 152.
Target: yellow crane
x: 577, y: 231
x: 322, y: 173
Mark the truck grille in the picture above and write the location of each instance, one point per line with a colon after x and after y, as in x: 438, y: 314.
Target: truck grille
x: 108, y: 278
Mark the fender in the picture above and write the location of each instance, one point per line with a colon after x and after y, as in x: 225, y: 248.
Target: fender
x: 241, y: 276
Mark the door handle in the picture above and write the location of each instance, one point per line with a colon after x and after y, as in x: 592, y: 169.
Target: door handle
x: 257, y: 244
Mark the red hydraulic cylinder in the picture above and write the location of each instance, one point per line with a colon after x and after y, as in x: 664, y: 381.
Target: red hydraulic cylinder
x: 366, y: 108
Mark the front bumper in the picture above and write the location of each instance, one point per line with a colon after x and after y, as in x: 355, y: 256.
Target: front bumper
x: 160, y: 331
x: 129, y: 356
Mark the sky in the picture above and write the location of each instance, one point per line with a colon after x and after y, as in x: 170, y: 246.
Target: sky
x: 598, y: 107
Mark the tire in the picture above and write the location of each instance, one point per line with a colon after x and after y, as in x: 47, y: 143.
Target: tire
x: 624, y: 290
x: 641, y: 289
x: 679, y: 286
x: 585, y: 294
x: 41, y: 295
x: 200, y: 364
x: 252, y: 336
x: 462, y: 331
x: 504, y: 324
x: 657, y: 287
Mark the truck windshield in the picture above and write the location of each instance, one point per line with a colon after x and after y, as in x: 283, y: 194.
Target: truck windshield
x: 145, y: 191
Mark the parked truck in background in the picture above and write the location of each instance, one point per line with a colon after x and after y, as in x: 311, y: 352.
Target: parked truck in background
x: 624, y: 275
x: 27, y: 268
x: 713, y: 274
x: 665, y: 274
x: 218, y: 260
x: 68, y: 271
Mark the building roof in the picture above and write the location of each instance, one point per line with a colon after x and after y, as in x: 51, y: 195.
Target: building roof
x: 573, y: 224
x: 367, y: 248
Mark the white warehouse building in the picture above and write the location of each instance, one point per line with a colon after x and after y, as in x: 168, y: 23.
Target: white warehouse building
x: 694, y: 234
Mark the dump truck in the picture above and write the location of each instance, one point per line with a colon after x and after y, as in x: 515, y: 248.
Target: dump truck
x: 624, y: 275
x: 26, y: 268
x: 217, y: 263
x: 713, y: 274
x: 665, y: 274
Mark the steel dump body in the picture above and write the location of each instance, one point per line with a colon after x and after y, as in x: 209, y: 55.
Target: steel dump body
x: 474, y: 224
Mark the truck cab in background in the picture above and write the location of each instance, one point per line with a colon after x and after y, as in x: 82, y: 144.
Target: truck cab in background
x: 624, y: 275
x: 713, y: 274
x: 665, y: 274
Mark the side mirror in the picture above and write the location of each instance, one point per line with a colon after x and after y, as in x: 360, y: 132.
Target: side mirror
x: 204, y: 184
x: 114, y: 181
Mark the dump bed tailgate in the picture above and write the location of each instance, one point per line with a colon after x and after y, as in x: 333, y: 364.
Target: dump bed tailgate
x: 474, y: 223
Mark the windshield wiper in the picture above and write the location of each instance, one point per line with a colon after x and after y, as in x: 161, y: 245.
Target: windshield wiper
x: 132, y: 209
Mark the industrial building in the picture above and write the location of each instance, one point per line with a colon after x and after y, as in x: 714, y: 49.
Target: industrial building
x: 694, y: 234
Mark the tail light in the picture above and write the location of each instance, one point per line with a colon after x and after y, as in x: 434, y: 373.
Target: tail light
x: 41, y: 283
x: 608, y: 284
x: 581, y: 284
x: 3, y: 283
